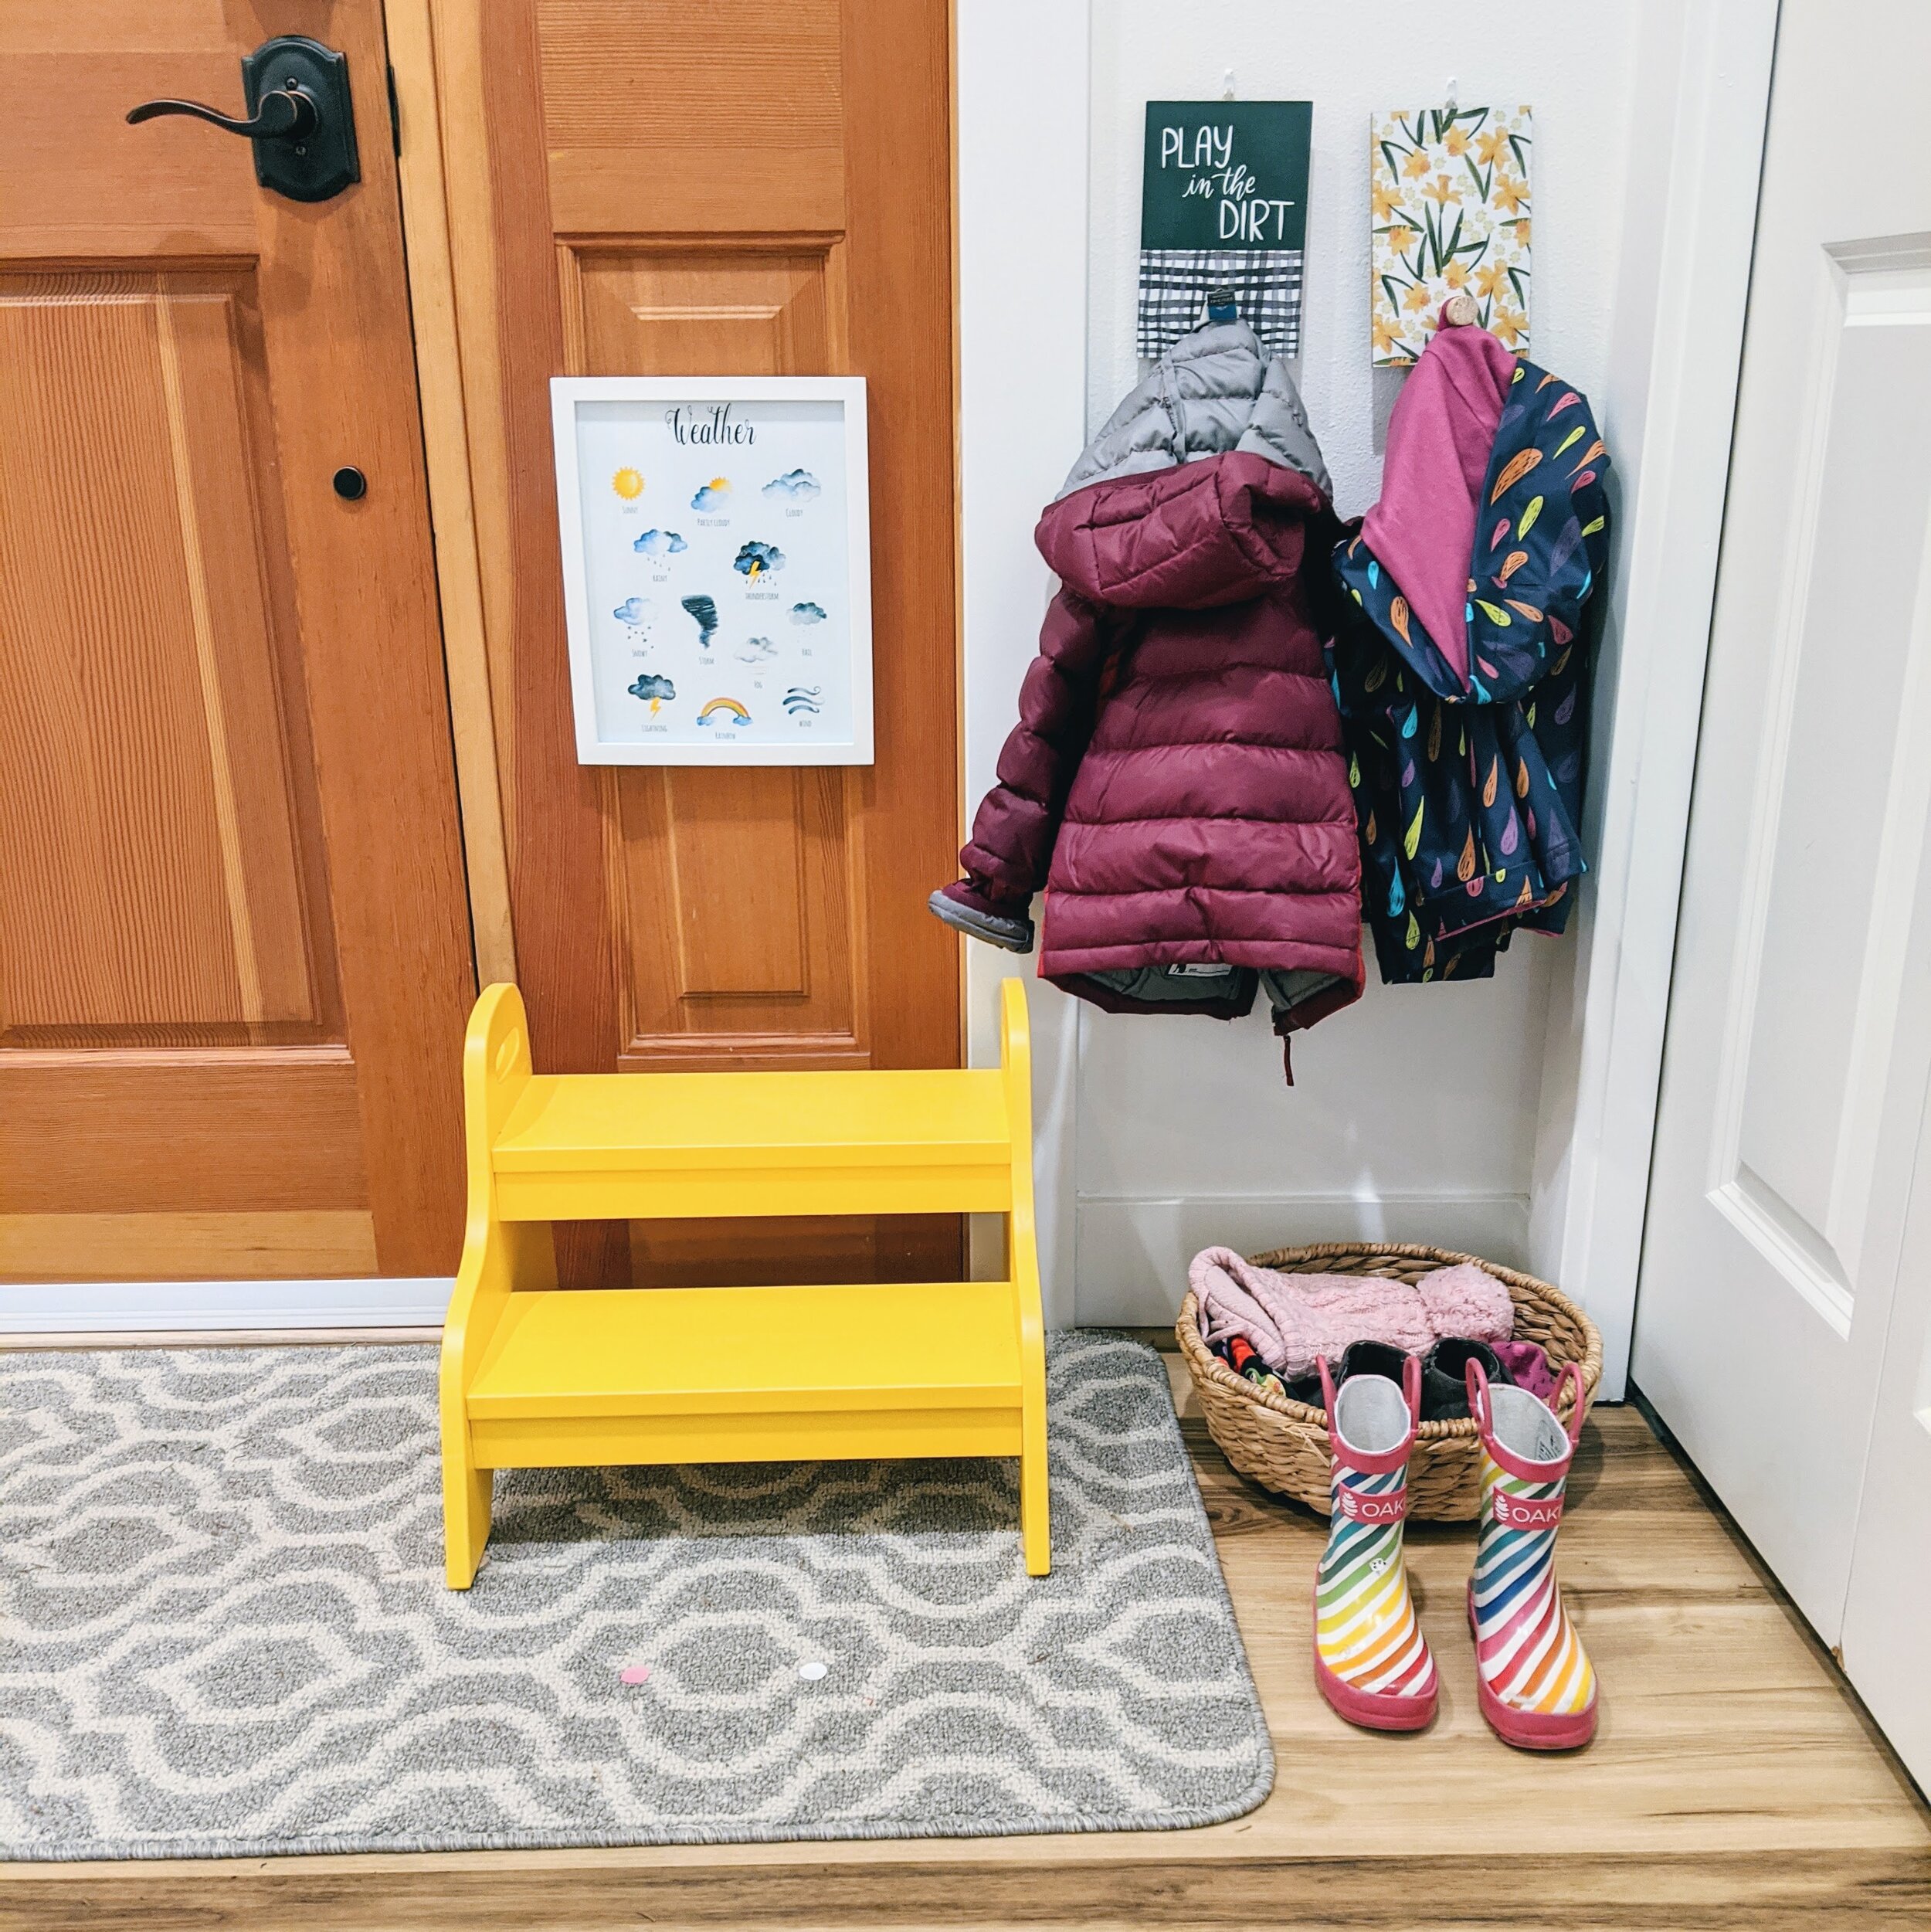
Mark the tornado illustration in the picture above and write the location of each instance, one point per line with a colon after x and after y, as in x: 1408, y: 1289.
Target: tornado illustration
x: 705, y: 612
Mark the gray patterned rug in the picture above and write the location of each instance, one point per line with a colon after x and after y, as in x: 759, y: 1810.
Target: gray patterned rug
x: 223, y: 1628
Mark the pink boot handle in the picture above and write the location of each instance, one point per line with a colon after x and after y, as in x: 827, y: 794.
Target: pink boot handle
x: 1478, y: 1382
x: 1410, y: 1385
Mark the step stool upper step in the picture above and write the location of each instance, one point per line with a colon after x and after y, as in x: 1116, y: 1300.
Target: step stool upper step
x: 686, y: 1144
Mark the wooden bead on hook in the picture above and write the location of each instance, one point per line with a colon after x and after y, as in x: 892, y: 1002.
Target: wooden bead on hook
x: 1458, y: 312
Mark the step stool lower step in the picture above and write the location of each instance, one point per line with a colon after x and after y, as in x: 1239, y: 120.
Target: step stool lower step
x: 681, y: 1375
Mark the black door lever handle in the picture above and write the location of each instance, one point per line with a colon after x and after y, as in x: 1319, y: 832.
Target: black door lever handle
x: 285, y: 114
x: 298, y: 116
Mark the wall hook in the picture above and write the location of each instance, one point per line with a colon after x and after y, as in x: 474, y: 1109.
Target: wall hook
x: 1226, y: 84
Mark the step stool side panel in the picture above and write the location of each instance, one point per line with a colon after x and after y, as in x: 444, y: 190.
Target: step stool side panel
x: 497, y: 1260
x: 1022, y: 1266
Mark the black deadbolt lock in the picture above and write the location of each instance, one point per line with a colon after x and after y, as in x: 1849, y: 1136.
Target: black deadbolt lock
x: 350, y: 485
x: 300, y: 118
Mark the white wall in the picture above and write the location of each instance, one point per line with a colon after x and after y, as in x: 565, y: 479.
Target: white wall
x: 1414, y: 1113
x: 1513, y: 1118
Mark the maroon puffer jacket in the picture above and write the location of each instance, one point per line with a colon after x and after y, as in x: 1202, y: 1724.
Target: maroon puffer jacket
x: 1176, y: 781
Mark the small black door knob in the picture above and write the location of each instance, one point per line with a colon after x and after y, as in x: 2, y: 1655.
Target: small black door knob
x: 350, y: 485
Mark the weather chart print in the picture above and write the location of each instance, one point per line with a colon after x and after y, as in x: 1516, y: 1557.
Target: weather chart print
x: 717, y: 569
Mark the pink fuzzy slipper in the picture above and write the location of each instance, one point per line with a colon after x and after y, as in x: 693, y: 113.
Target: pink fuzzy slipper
x: 1288, y: 1320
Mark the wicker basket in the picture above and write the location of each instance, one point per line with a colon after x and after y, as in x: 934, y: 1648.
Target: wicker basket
x: 1283, y: 1445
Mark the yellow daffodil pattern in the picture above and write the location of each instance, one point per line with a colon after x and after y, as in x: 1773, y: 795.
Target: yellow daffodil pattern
x: 1448, y: 201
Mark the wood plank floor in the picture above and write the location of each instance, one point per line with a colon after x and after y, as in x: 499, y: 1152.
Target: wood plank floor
x: 1734, y: 1784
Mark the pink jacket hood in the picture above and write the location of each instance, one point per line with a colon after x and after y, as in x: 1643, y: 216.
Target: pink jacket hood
x: 1441, y: 433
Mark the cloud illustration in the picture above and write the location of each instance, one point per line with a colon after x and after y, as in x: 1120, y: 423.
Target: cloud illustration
x: 800, y: 486
x: 633, y: 610
x: 757, y: 560
x: 705, y: 612
x: 756, y: 651
x: 660, y: 543
x: 710, y: 494
x: 653, y: 688
x: 807, y: 614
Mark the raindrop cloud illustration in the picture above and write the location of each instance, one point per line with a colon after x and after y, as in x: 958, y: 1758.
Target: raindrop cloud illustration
x: 660, y: 543
x: 807, y: 614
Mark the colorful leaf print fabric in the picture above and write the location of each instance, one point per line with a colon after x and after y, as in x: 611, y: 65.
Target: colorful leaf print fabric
x: 1469, y: 795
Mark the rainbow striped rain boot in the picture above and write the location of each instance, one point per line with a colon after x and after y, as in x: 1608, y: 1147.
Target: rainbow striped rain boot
x: 1537, y: 1688
x: 1370, y: 1658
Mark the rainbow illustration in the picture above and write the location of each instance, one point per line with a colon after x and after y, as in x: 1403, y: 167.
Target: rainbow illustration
x: 737, y: 713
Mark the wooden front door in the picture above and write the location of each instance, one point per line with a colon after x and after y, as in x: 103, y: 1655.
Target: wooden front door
x: 746, y: 187
x: 234, y: 951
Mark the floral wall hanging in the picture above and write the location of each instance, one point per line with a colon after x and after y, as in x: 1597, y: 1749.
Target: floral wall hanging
x: 1448, y: 192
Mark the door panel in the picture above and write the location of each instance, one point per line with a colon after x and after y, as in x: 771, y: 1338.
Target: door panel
x: 625, y: 208
x: 146, y: 907
x: 642, y: 117
x: 1891, y: 1562
x: 686, y: 310
x: 768, y: 964
x: 233, y: 946
x: 1799, y: 1053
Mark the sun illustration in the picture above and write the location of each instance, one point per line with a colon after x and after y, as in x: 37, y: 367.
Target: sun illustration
x: 628, y: 484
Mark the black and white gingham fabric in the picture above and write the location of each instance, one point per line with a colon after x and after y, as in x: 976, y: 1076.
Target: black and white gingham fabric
x: 1174, y: 283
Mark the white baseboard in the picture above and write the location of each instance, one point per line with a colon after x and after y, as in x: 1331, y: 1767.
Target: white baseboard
x: 1131, y: 1268
x: 130, y: 1308
x: 1133, y: 1255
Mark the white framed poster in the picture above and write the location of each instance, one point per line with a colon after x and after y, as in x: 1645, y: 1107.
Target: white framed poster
x: 717, y: 567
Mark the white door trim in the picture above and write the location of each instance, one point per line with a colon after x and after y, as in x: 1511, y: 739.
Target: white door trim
x: 1022, y: 254
x: 1695, y: 157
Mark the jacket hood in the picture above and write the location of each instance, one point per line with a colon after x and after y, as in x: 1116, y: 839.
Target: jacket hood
x: 1212, y: 392
x: 1440, y: 436
x: 1531, y: 538
x: 1220, y: 530
x: 1197, y: 491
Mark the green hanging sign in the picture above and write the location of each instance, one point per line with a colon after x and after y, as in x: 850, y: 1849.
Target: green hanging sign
x: 1223, y: 205
x: 1226, y: 174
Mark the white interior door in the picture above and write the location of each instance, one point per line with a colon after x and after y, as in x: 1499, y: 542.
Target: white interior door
x: 1798, y: 1053
x: 1884, y: 1614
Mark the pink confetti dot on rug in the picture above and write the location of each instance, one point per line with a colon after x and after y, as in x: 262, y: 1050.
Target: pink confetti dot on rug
x: 636, y: 1674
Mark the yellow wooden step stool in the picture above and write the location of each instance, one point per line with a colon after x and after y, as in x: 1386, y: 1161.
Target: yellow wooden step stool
x: 537, y: 1376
